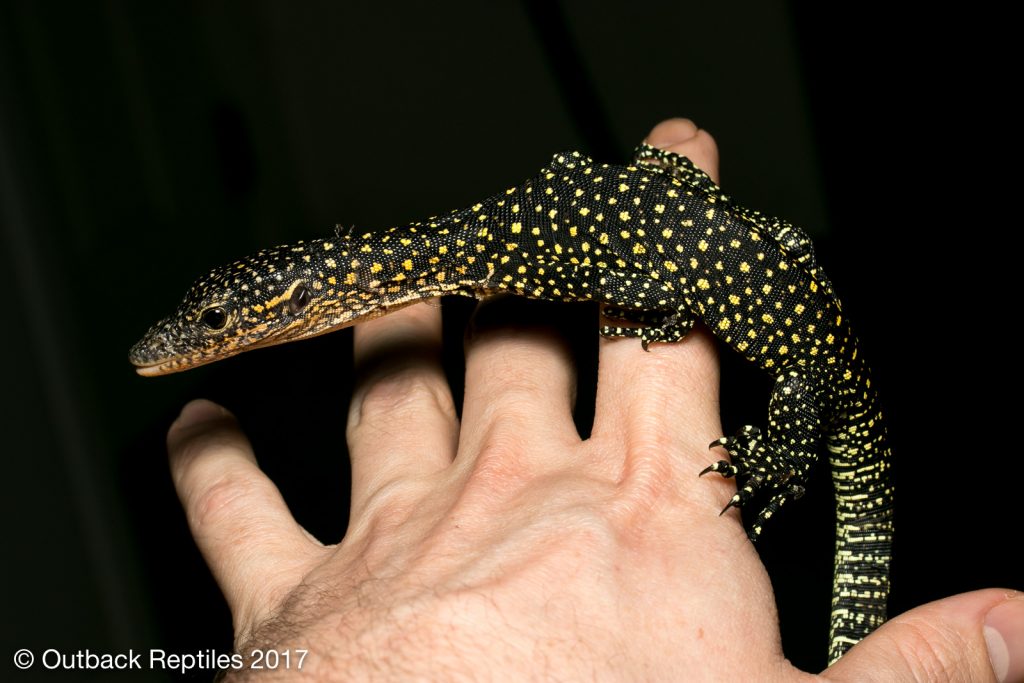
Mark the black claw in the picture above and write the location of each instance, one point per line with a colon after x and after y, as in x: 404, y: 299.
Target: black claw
x: 709, y: 468
x: 732, y: 504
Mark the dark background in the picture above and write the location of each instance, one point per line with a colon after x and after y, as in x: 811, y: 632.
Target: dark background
x: 141, y: 145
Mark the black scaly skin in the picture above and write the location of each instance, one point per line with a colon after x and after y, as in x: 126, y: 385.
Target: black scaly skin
x: 661, y: 246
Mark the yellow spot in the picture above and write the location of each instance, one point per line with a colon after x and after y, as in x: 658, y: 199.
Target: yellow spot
x: 638, y: 248
x: 767, y: 318
x: 710, y: 213
x: 703, y: 284
x: 552, y: 213
x: 783, y: 350
x: 328, y: 246
x: 660, y: 208
x: 734, y: 300
x: 407, y: 264
x: 624, y: 215
x: 584, y: 211
x: 723, y: 324
x: 517, y: 227
x: 744, y: 267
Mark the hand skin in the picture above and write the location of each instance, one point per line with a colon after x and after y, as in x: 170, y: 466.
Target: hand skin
x: 506, y: 548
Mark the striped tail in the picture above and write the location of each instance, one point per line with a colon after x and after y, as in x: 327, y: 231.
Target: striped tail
x: 860, y: 460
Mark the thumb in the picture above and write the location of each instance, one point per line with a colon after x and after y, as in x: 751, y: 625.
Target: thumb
x: 975, y: 636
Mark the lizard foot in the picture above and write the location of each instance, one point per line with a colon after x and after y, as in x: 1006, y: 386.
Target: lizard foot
x: 655, y: 326
x: 761, y: 467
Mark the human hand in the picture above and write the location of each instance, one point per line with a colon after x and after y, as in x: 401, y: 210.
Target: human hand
x: 506, y: 547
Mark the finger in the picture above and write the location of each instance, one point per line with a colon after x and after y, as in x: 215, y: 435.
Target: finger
x: 520, y: 383
x: 252, y: 544
x: 976, y: 636
x: 665, y: 400
x: 402, y: 423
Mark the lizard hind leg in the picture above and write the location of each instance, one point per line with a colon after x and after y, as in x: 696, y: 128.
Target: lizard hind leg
x: 776, y: 462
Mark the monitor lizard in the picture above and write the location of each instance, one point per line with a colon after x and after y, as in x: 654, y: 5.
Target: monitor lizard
x: 661, y: 247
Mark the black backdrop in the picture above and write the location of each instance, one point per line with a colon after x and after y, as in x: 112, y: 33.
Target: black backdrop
x: 142, y: 144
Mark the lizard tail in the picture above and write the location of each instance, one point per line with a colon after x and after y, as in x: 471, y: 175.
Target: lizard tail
x: 860, y: 460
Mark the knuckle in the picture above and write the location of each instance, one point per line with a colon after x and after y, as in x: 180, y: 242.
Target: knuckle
x: 930, y: 650
x: 402, y: 395
x: 648, y: 479
x: 394, y: 502
x: 501, y: 466
x: 227, y: 499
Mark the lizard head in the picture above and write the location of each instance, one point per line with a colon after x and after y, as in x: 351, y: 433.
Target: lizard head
x: 274, y: 296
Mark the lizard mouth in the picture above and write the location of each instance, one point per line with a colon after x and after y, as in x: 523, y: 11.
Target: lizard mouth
x: 153, y: 370
x: 152, y: 358
x: 168, y: 366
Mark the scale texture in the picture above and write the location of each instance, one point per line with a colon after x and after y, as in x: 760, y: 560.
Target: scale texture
x: 660, y: 245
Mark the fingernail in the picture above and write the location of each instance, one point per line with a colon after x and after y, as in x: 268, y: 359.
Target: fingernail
x: 199, y: 411
x: 1004, y: 636
x: 674, y: 132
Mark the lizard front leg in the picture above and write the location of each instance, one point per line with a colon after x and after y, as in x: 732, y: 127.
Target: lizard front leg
x: 649, y: 326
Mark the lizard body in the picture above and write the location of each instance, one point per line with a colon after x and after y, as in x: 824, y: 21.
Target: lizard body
x: 660, y: 245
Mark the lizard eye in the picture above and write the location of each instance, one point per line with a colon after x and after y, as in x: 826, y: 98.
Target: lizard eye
x: 300, y: 299
x: 214, y: 318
